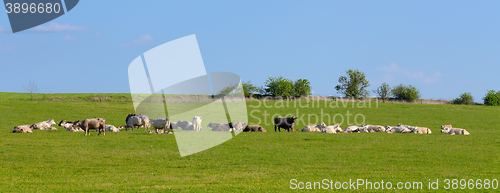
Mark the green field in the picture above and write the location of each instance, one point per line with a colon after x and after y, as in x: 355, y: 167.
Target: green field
x: 135, y: 161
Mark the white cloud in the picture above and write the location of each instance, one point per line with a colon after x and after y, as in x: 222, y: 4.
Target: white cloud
x: 68, y: 37
x: 393, y: 72
x: 56, y: 27
x: 144, y: 39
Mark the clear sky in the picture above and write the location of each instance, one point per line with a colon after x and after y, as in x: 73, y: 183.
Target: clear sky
x: 444, y: 48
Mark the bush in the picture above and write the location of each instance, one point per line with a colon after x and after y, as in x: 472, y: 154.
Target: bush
x: 408, y: 93
x: 302, y: 87
x: 249, y: 89
x: 383, y: 91
x: 464, y: 99
x: 492, y: 98
x: 279, y: 87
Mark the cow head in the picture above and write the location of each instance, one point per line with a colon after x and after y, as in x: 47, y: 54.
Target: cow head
x: 51, y: 122
x: 261, y: 129
x: 62, y: 122
x: 445, y: 129
x: 445, y: 126
x: 210, y: 124
x: 322, y: 125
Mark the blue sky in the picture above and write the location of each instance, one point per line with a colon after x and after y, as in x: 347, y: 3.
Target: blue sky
x: 444, y: 48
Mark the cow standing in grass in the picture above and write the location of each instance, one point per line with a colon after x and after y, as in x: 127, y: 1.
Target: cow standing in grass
x: 286, y: 123
x: 97, y: 123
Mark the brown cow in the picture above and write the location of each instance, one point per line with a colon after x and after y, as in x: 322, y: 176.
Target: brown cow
x: 286, y: 123
x: 254, y: 128
x: 97, y: 123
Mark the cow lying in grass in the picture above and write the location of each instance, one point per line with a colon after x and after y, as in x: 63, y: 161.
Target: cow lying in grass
x: 314, y: 128
x: 416, y: 129
x: 453, y: 131
x: 254, y: 128
x: 87, y: 124
x: 332, y: 129
x: 69, y: 126
x: 398, y: 129
x: 372, y: 128
x: 352, y: 129
x: 45, y: 125
x: 23, y: 129
x: 220, y: 126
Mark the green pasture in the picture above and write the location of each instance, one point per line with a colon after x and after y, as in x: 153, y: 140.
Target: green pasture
x: 135, y: 161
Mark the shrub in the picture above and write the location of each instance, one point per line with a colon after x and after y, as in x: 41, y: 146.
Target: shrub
x: 465, y: 99
x: 279, y: 87
x: 383, y: 91
x: 302, y: 87
x: 492, y: 98
x: 408, y: 93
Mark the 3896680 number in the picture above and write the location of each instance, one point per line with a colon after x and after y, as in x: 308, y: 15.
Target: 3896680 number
x: 33, y: 8
x: 471, y: 184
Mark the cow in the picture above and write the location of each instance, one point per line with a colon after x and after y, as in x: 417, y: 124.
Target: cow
x: 314, y: 128
x: 373, y: 128
x: 453, y: 131
x: 332, y: 129
x: 352, y: 129
x: 184, y: 125
x: 45, y: 125
x: 397, y: 129
x: 422, y: 130
x: 87, y: 124
x: 254, y: 128
x: 220, y: 126
x: 286, y: 123
x: 239, y: 126
x: 23, y: 129
x: 159, y: 124
x: 138, y: 120
x: 112, y: 128
x: 69, y: 126
x: 197, y: 123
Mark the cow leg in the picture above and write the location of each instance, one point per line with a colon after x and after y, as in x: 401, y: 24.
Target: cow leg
x: 274, y: 128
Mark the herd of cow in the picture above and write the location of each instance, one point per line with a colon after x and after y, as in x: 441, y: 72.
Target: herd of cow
x: 287, y: 123
x: 164, y: 126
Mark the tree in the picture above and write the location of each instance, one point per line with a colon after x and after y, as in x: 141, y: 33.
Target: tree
x: 492, y: 98
x: 353, y: 85
x: 32, y: 88
x: 383, y: 91
x: 408, y: 93
x: 279, y: 87
x: 465, y: 98
x: 302, y: 87
x: 249, y: 89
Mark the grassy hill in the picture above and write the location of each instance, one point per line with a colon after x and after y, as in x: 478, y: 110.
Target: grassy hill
x: 61, y: 161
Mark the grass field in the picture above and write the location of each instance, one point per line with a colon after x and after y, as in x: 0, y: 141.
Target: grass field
x: 61, y: 161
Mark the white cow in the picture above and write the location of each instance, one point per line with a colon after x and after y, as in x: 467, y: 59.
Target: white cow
x: 453, y: 131
x: 373, y: 128
x: 332, y: 129
x: 352, y: 129
x: 197, y: 123
x: 314, y: 128
x: 69, y: 126
x: 159, y: 124
x: 45, y: 125
x: 112, y: 128
x: 399, y: 129
x: 422, y: 130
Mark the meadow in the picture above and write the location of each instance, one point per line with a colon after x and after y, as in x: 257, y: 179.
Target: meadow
x: 135, y: 161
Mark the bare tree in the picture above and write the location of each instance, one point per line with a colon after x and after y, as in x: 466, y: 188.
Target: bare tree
x: 32, y: 88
